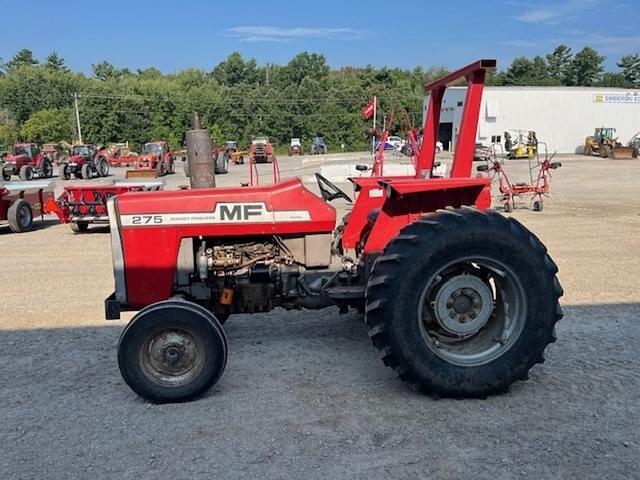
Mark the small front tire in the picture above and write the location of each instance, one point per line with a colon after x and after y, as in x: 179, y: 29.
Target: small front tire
x: 172, y: 351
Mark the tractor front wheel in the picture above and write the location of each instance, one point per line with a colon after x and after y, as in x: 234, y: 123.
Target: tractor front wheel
x: 463, y: 303
x: 20, y: 216
x: 172, y: 351
x: 26, y: 173
x: 85, y: 172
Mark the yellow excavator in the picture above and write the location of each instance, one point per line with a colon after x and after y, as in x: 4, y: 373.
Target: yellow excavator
x: 605, y: 144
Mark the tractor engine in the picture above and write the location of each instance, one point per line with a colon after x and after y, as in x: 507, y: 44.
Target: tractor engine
x: 256, y: 275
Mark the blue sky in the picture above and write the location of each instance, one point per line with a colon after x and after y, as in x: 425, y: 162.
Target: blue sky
x: 173, y: 35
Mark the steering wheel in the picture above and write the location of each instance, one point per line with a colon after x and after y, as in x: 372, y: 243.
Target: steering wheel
x: 330, y: 191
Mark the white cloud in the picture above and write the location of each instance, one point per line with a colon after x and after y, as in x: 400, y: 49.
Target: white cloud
x: 555, y: 13
x: 284, y: 34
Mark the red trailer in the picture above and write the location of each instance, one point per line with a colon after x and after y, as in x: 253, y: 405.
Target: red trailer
x: 21, y: 202
x: 83, y: 204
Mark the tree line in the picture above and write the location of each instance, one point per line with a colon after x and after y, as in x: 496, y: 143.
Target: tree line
x: 239, y: 99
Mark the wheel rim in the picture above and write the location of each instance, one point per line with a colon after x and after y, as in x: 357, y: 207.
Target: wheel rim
x: 24, y: 216
x: 172, y: 357
x: 472, y: 311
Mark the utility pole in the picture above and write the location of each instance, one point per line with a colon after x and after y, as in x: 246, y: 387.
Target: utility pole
x: 75, y: 102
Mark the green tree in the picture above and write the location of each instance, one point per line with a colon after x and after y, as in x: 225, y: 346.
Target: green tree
x: 55, y: 62
x: 613, y: 80
x: 105, y: 71
x: 630, y: 65
x: 305, y: 64
x: 586, y: 67
x: 51, y: 125
x: 234, y: 70
x: 24, y: 58
x: 559, y: 64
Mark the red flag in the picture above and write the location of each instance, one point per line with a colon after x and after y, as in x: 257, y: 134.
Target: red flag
x: 367, y: 110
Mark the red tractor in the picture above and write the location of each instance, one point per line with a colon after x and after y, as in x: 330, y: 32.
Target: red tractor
x: 26, y: 161
x: 157, y: 156
x: 119, y: 155
x: 85, y: 161
x: 261, y: 150
x: 459, y: 300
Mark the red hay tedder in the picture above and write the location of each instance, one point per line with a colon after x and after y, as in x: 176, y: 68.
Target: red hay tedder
x: 459, y: 300
x: 81, y: 205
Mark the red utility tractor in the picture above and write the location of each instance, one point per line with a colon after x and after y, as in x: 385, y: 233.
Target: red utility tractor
x: 26, y: 161
x: 86, y: 204
x: 261, y: 150
x: 459, y: 300
x: 21, y: 202
x: 85, y: 161
x: 157, y: 156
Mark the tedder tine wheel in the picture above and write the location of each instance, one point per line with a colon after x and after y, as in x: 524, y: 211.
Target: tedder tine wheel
x: 462, y: 303
x: 172, y: 351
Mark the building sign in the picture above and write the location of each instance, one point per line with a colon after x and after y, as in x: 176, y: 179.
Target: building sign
x: 628, y: 97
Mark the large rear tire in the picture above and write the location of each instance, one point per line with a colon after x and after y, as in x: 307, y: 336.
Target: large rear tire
x: 20, y: 216
x: 172, y: 351
x: 102, y: 167
x: 222, y: 163
x: 462, y: 303
x: 46, y: 168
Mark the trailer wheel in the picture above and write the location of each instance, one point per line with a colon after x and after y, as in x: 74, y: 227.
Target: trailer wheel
x: 85, y: 172
x: 79, y: 227
x: 20, y: 216
x: 172, y: 351
x: 537, y: 205
x: 26, y: 173
x: 463, y: 303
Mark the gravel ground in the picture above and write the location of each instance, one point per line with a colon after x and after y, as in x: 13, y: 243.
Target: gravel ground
x: 304, y: 394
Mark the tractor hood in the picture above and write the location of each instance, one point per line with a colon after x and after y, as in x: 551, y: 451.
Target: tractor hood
x: 77, y: 158
x: 16, y: 158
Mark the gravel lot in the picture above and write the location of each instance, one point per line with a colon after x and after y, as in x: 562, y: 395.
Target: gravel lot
x: 304, y: 394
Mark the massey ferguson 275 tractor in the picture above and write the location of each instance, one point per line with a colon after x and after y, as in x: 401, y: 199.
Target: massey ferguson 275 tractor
x: 459, y: 300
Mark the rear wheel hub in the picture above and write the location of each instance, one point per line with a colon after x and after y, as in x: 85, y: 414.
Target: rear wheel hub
x: 463, y: 305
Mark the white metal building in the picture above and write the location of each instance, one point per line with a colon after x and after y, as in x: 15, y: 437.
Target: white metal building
x: 561, y: 116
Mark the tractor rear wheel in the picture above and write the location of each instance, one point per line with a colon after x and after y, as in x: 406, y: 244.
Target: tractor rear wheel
x: 26, y: 173
x: 172, y: 351
x: 65, y: 173
x: 102, y: 167
x: 46, y: 168
x: 20, y: 216
x: 222, y: 163
x: 462, y: 303
x: 5, y: 176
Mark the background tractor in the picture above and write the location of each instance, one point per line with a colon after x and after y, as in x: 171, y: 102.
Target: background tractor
x: 605, y: 144
x: 85, y: 161
x: 318, y: 146
x: 156, y: 157
x: 295, y: 147
x: 26, y: 161
x: 459, y: 300
x: 261, y: 150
